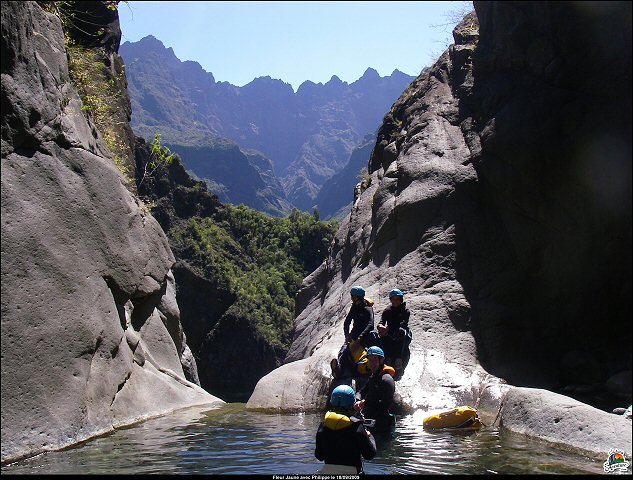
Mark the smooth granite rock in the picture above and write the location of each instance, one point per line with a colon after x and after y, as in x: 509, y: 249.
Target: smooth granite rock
x: 500, y: 208
x: 91, y: 338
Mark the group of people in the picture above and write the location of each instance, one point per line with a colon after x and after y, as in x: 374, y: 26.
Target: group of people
x: 372, y: 359
x: 392, y: 335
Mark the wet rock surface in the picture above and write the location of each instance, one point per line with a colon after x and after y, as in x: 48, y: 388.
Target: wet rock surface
x: 500, y: 203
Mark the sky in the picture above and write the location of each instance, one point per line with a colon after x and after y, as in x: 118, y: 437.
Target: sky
x: 297, y: 41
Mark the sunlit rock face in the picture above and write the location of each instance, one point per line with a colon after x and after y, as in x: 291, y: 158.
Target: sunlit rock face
x: 91, y: 336
x: 500, y: 202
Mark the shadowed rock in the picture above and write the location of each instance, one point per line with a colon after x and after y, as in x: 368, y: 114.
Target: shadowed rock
x: 91, y: 338
x: 500, y: 202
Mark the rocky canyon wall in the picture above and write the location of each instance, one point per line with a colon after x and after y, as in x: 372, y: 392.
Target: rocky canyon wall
x: 91, y: 337
x: 500, y: 202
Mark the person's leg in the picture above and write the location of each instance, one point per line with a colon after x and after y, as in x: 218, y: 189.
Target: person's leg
x: 371, y: 339
x: 387, y: 347
x: 336, y: 370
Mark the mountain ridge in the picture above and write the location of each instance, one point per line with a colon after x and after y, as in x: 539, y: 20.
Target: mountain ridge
x: 308, y: 134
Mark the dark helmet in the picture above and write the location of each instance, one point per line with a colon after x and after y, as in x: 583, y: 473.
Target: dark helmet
x: 375, y: 351
x: 358, y: 291
x: 343, y: 396
x: 396, y: 292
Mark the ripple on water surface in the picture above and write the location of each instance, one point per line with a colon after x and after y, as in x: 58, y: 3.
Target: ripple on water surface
x: 231, y: 440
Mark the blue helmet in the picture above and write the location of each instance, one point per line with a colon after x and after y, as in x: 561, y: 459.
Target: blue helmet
x: 343, y: 396
x: 375, y: 351
x: 358, y: 291
x: 396, y: 292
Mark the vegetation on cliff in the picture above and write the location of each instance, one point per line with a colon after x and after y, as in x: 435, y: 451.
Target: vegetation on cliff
x: 90, y: 30
x: 262, y: 259
x: 237, y: 273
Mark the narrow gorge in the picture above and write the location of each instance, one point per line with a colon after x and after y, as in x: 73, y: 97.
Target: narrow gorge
x: 500, y: 202
x: 497, y: 197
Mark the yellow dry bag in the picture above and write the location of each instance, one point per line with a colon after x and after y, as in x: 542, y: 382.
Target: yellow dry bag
x: 460, y: 417
x: 359, y: 357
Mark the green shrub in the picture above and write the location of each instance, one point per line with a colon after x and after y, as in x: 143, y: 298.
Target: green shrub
x: 261, y: 259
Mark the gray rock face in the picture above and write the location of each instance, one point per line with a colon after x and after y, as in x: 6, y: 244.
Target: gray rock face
x: 336, y: 195
x: 91, y: 338
x: 570, y: 424
x: 482, y: 209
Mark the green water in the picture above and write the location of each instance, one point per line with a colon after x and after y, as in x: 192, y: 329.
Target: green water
x: 231, y: 440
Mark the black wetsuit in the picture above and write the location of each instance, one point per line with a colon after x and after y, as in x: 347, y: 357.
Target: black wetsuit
x: 397, y: 319
x: 362, y: 315
x: 378, y: 395
x: 344, y: 446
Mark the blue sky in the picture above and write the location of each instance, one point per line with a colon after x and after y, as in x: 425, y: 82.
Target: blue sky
x: 297, y: 41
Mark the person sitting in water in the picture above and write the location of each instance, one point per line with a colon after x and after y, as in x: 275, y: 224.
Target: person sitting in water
x: 376, y: 396
x: 341, y: 439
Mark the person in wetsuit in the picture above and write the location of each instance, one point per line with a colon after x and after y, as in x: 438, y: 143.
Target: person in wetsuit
x: 394, y: 332
x: 361, y: 319
x: 376, y: 396
x: 360, y: 316
x: 341, y: 439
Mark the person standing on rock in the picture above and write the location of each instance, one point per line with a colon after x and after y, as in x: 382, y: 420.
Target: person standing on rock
x: 394, y: 332
x: 361, y: 319
x: 376, y: 396
x: 341, y: 439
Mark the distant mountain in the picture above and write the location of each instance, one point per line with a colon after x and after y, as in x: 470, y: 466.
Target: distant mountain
x: 235, y: 175
x: 337, y: 194
x: 308, y: 135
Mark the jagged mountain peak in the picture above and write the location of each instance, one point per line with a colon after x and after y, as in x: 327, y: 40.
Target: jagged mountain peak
x: 268, y: 82
x: 335, y: 80
x: 310, y: 133
x: 370, y: 77
x: 147, y: 44
x: 399, y: 74
x: 371, y: 73
x: 150, y: 40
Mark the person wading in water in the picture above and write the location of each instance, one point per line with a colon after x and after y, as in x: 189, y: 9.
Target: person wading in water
x: 341, y: 439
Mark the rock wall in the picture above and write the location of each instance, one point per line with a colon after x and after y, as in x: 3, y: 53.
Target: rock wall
x: 91, y: 338
x: 500, y: 202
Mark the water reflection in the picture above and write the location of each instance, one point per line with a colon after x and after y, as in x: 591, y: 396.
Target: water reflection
x: 230, y: 440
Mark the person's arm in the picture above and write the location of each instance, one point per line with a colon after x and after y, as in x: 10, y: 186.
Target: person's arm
x: 367, y: 443
x: 383, y: 317
x: 387, y: 390
x: 382, y: 327
x: 346, y: 323
x: 318, y: 450
x: 403, y: 325
x: 405, y: 319
x: 360, y: 403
